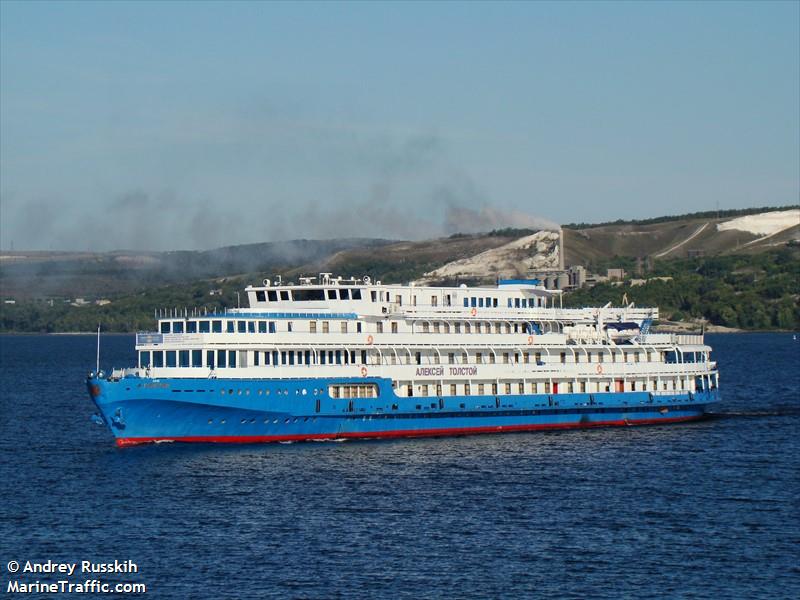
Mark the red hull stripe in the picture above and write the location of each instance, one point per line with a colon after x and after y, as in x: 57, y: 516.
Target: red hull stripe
x: 402, y: 433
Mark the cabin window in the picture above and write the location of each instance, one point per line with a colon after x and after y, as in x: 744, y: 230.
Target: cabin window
x: 505, y: 358
x: 394, y: 327
x: 379, y: 327
x: 204, y: 326
x: 478, y: 357
x: 373, y: 295
x: 171, y: 358
x: 446, y: 327
x: 355, y: 294
x: 508, y: 327
x: 492, y: 358
x: 510, y: 303
x: 284, y: 294
x: 312, y: 327
x: 308, y: 357
x: 222, y: 357
x: 466, y: 302
x: 283, y: 357
x: 261, y: 296
x: 563, y: 358
x: 480, y: 389
x: 436, y: 327
x: 538, y: 357
x: 210, y: 359
x: 231, y: 326
x: 516, y: 302
x: 473, y: 302
x: 191, y: 327
x: 326, y: 327
x: 144, y: 359
x: 271, y: 327
x: 256, y: 359
x: 418, y: 358
x: 466, y: 389
x: 275, y: 357
x: 426, y: 328
x: 453, y: 389
x: 508, y: 388
x: 315, y: 295
x: 344, y: 294
x: 494, y: 389
x: 423, y: 390
x: 158, y: 358
x: 434, y: 301
x: 331, y: 294
x: 164, y: 326
x: 546, y: 387
x: 358, y: 326
x: 521, y: 387
x: 251, y: 327
x: 398, y: 299
x: 272, y: 295
x: 600, y: 357
x: 480, y: 302
x: 291, y: 358
x: 467, y: 328
x: 344, y: 326
x: 183, y: 358
x: 457, y: 327
x: 216, y: 326
x: 451, y: 358
x: 464, y: 358
x: 477, y: 327
x: 242, y: 326
x: 262, y: 327
x: 526, y: 357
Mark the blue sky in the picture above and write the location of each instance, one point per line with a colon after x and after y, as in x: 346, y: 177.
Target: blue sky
x: 159, y: 125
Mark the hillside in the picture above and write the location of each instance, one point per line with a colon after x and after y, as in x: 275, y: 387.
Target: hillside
x: 738, y: 254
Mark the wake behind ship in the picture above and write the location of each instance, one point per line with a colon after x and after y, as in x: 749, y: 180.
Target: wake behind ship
x: 334, y: 358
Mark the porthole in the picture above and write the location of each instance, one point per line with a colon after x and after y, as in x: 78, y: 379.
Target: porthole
x: 244, y: 421
x: 240, y: 392
x: 266, y: 392
x: 285, y: 392
x: 230, y: 392
x: 287, y: 421
x: 305, y: 420
x: 305, y: 391
x: 297, y: 392
x: 210, y: 421
x: 275, y: 421
x: 295, y: 420
x: 247, y: 392
x: 266, y: 421
x: 252, y: 420
x: 222, y: 392
x: 260, y: 392
x: 223, y: 421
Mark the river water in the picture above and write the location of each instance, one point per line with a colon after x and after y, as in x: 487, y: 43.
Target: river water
x: 702, y: 510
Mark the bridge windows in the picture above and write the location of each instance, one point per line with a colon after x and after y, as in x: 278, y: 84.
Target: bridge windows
x: 394, y: 326
x: 183, y: 358
x: 171, y: 358
x: 165, y: 327
x: 158, y: 358
x: 191, y: 327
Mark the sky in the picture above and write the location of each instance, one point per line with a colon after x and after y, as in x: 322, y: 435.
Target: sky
x: 163, y: 126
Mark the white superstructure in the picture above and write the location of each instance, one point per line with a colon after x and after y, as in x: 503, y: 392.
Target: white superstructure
x: 514, y: 338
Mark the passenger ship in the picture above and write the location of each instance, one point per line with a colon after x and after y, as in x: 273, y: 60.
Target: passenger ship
x: 333, y: 358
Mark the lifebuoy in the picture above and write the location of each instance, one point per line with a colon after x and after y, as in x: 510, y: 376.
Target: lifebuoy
x: 363, y: 371
x: 473, y: 312
x: 599, y: 369
x: 530, y: 340
x: 370, y: 339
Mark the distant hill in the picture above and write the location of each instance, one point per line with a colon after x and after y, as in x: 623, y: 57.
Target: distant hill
x: 468, y: 258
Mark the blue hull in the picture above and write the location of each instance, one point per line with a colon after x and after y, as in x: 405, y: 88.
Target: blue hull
x: 139, y: 410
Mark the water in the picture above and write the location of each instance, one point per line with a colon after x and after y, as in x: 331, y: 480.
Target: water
x: 701, y: 510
